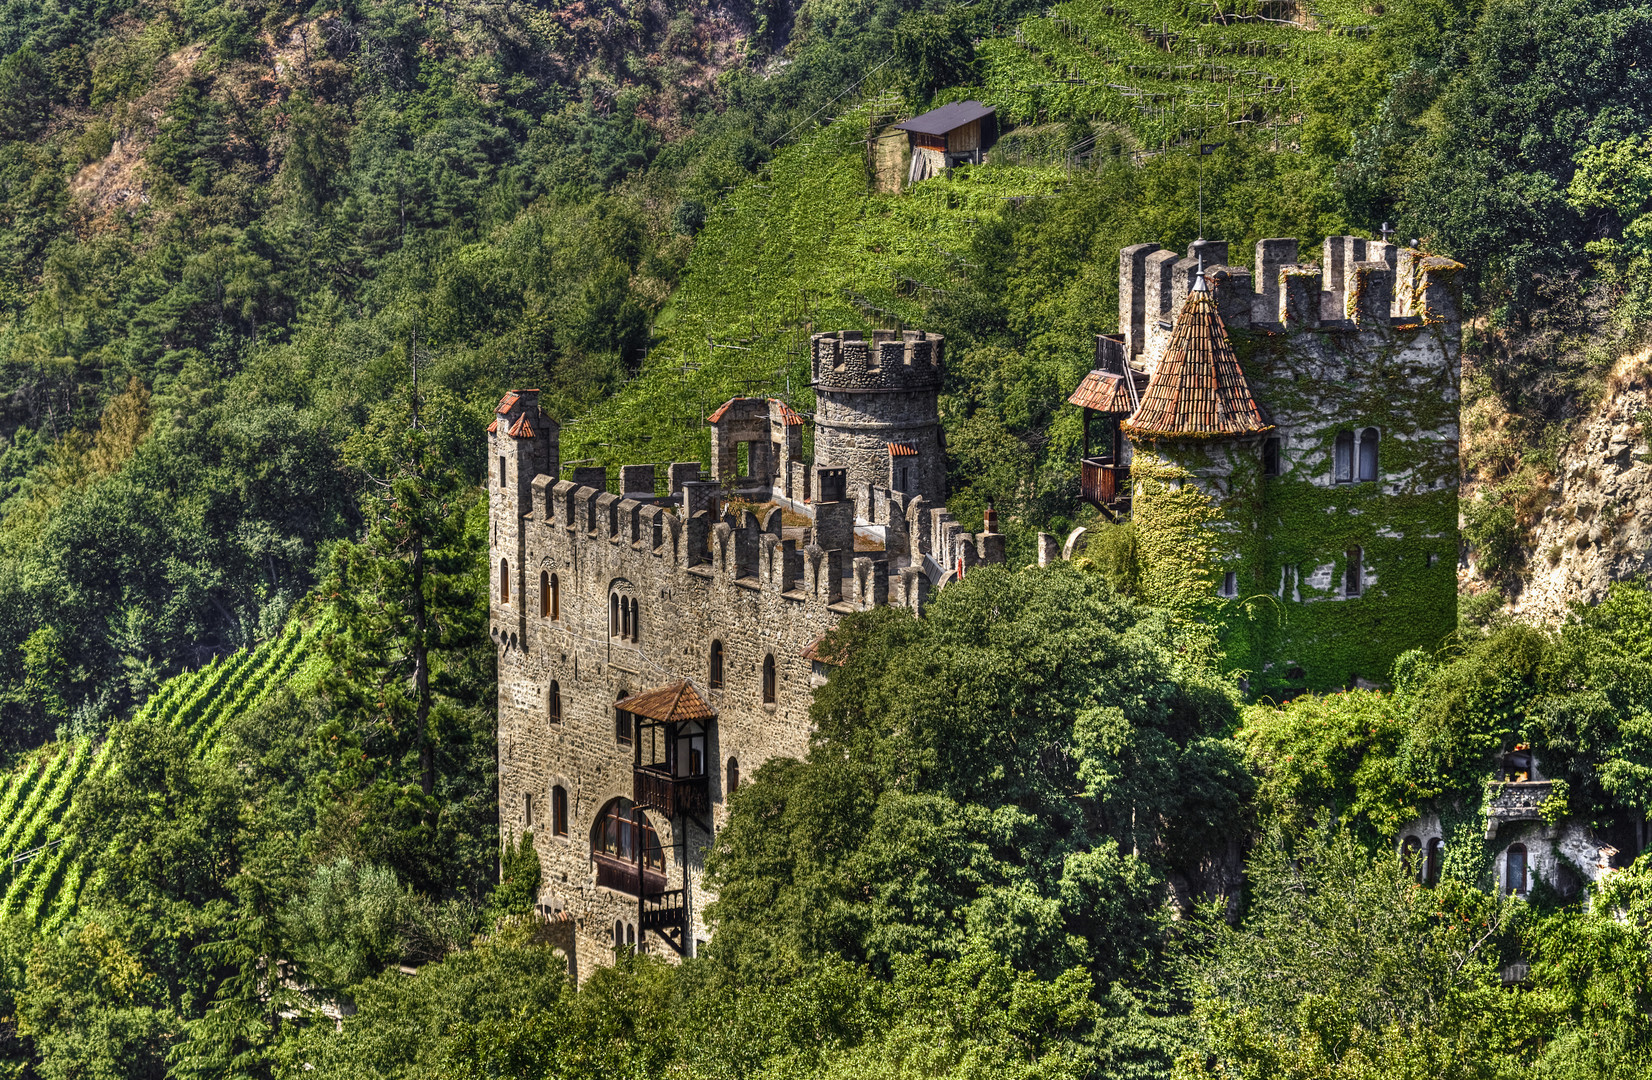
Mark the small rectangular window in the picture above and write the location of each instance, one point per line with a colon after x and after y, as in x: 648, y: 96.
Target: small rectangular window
x: 1354, y: 577
x: 622, y: 726
x: 501, y: 470
x: 1230, y: 584
x: 1270, y: 458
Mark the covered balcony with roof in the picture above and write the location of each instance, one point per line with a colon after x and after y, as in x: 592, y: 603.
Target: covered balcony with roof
x: 671, y: 728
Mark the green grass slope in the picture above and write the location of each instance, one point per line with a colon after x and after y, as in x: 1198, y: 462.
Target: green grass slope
x: 43, y: 867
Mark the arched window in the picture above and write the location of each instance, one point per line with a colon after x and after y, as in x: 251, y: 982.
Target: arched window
x: 768, y: 680
x: 716, y: 679
x: 622, y: 720
x: 1353, y: 579
x: 619, y: 933
x: 544, y: 594
x: 559, y: 811
x: 625, y: 618
x: 1408, y: 856
x: 1514, y: 870
x: 631, y: 933
x: 733, y: 776
x: 504, y: 581
x: 1368, y: 454
x: 556, y: 598
x: 1345, y: 457
x: 623, y: 832
x: 613, y: 615
x: 1436, y: 852
x: 553, y: 702
x: 636, y: 619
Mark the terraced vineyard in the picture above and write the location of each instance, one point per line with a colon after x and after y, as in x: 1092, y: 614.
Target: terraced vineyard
x: 44, y: 867
x: 1172, y: 72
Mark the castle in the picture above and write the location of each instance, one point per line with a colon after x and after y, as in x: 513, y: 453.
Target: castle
x: 1288, y: 440
x: 659, y: 640
x: 1285, y: 441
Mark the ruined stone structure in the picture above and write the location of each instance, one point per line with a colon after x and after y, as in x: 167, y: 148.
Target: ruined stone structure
x: 655, y: 644
x: 1290, y: 437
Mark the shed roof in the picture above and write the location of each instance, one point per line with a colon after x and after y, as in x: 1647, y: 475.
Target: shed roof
x: 1199, y: 389
x: 1103, y: 391
x: 946, y: 118
x: 669, y: 703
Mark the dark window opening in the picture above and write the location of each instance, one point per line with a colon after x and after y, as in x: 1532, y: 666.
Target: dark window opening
x: 501, y: 470
x: 1345, y: 457
x: 504, y: 581
x: 1517, y: 768
x: 769, y: 680
x: 556, y: 598
x: 636, y: 620
x: 544, y: 595
x: 622, y: 721
x: 613, y: 615
x: 1270, y: 457
x: 527, y: 809
x: 1409, y: 852
x: 1431, y: 871
x: 1368, y: 454
x: 1230, y: 584
x: 1514, y: 872
x: 553, y: 702
x: 716, y: 679
x: 1353, y: 579
x: 733, y: 775
x: 559, y: 811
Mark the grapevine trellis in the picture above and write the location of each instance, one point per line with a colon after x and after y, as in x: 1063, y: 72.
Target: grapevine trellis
x: 43, y: 866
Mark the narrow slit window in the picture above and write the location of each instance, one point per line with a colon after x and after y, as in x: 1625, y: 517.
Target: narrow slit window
x: 504, y: 581
x: 613, y: 615
x: 1431, y: 869
x: 527, y: 809
x: 1353, y: 577
x: 544, y: 594
x: 559, y: 811
x: 769, y: 680
x: 501, y: 470
x: 733, y: 775
x: 1270, y: 457
x: 553, y: 702
x: 622, y: 721
x: 715, y: 681
x: 556, y: 598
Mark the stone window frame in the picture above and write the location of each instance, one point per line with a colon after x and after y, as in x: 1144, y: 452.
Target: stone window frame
x: 624, y: 612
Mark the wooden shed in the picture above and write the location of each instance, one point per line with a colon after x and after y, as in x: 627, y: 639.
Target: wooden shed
x: 956, y: 134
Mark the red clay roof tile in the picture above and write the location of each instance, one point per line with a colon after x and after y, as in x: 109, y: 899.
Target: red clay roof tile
x: 1199, y: 389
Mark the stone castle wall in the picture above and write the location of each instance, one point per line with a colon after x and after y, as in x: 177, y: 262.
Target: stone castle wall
x: 567, y: 554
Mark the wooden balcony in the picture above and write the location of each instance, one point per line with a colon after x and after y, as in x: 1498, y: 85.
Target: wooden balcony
x: 627, y: 877
x: 672, y: 796
x: 664, y: 911
x: 1105, y: 485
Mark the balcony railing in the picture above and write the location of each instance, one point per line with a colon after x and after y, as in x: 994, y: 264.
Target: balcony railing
x: 665, y: 911
x: 1516, y: 800
x: 627, y: 877
x: 670, y: 795
x: 1104, y: 484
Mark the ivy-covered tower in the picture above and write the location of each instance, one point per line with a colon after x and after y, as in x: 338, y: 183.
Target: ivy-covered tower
x: 1293, y: 457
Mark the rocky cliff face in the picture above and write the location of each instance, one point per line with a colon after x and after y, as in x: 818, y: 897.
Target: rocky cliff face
x: 1597, y: 527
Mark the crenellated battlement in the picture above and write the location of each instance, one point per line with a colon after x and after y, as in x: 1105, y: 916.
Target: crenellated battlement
x: 848, y: 362
x: 1357, y: 285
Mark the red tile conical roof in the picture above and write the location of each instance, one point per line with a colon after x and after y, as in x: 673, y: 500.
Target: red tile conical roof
x: 1199, y: 389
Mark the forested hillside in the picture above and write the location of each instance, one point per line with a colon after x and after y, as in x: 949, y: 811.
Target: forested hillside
x: 264, y: 270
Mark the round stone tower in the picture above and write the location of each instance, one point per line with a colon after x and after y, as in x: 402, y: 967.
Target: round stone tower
x: 877, y: 414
